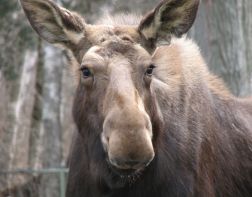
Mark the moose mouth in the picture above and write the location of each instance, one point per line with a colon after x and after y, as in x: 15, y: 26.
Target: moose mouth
x: 125, y: 173
x: 128, y: 176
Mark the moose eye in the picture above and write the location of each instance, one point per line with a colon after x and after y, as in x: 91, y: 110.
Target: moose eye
x: 86, y: 72
x: 149, y: 70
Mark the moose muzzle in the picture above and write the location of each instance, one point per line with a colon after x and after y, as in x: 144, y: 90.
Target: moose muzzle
x: 127, y: 138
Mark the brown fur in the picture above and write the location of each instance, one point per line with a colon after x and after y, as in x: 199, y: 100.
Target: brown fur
x: 198, y: 133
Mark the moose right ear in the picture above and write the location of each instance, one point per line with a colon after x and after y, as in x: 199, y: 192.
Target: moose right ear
x: 169, y: 18
x: 54, y: 23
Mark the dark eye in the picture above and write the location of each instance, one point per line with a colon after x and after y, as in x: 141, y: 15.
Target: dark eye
x: 149, y: 70
x: 125, y: 38
x: 85, y: 72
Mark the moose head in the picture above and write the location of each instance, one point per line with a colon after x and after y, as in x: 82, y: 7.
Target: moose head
x: 115, y: 100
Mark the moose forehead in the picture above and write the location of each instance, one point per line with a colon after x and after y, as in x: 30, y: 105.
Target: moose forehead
x: 114, y: 48
x: 98, y: 33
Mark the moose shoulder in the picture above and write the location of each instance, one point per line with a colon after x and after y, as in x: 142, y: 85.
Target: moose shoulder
x: 152, y: 120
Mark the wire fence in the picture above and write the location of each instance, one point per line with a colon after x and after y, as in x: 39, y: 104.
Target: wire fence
x: 34, y: 184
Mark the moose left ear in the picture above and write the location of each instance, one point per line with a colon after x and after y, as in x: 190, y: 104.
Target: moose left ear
x: 53, y: 23
x: 170, y: 17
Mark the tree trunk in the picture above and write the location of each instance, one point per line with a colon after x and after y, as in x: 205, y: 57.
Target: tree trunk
x: 68, y: 86
x: 3, y: 105
x: 51, y: 136
x: 223, y: 30
x: 4, y: 135
x: 19, y: 151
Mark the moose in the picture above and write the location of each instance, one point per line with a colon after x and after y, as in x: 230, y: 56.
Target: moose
x: 151, y: 118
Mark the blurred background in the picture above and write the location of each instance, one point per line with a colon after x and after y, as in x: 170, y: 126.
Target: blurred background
x: 37, y: 87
